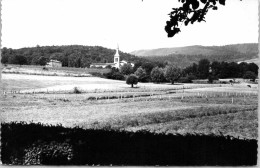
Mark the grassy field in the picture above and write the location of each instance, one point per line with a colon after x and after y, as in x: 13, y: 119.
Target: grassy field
x: 110, y: 104
x: 51, y: 71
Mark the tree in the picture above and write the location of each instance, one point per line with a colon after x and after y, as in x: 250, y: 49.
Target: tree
x: 137, y: 65
x: 126, y: 69
x: 203, y: 68
x: 191, y: 11
x: 42, y: 60
x: 148, y: 66
x: 172, y: 73
x: 157, y: 75
x: 19, y: 59
x: 253, y: 67
x: 132, y: 80
x: 141, y: 74
x: 250, y: 75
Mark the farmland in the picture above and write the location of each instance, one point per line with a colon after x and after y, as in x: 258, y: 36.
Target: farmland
x: 109, y: 104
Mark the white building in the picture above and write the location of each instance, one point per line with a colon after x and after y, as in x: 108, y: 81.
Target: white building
x: 117, y: 63
x: 54, y: 64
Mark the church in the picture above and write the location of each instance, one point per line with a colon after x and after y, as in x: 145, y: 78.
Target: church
x: 117, y: 63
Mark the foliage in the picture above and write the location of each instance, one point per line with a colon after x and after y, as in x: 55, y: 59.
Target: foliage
x: 157, y: 75
x: 211, y: 78
x: 172, y: 73
x: 191, y: 11
x: 115, y: 74
x: 250, y: 75
x: 126, y: 69
x: 132, y: 80
x: 203, y: 68
x: 57, y: 145
x: 184, y: 80
x: 70, y: 55
x: 141, y: 74
x: 148, y: 66
x: 76, y: 90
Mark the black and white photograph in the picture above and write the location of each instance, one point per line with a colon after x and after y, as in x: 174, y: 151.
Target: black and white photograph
x: 129, y: 82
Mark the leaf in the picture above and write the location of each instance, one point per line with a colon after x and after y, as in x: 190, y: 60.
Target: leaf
x: 195, y: 4
x: 222, y: 2
x: 215, y: 8
x: 203, y: 1
x: 186, y: 22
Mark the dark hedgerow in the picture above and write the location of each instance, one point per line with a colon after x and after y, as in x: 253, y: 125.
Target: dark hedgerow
x: 29, y: 144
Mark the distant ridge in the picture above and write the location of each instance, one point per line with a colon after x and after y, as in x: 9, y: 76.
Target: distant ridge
x: 245, y: 48
x: 185, y: 56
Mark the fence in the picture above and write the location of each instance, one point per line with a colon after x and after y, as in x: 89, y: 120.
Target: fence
x: 144, y: 95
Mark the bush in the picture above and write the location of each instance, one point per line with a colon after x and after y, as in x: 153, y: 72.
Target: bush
x: 45, y: 68
x: 115, y: 75
x: 76, y: 90
x: 132, y: 80
x: 39, y: 144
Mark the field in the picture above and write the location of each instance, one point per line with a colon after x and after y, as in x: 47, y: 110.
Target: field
x: 53, y: 71
x: 220, y: 109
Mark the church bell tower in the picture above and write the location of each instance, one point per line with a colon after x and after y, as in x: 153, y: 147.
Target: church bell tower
x: 117, y: 58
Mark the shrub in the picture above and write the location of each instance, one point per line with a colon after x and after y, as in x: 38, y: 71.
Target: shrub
x: 132, y: 80
x: 115, y: 74
x: 76, y: 90
x: 45, y: 68
x: 38, y: 144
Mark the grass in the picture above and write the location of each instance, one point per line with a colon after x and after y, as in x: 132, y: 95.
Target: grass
x: 155, y: 107
x: 174, y: 115
x: 37, y: 70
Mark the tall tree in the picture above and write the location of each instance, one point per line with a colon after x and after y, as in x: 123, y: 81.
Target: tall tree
x: 126, y: 69
x: 157, y: 75
x: 203, y: 68
x: 172, y: 73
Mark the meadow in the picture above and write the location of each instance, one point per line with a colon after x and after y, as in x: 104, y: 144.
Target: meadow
x: 111, y: 104
x: 58, y: 120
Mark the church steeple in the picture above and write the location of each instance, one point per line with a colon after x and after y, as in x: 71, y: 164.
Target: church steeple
x: 117, y: 58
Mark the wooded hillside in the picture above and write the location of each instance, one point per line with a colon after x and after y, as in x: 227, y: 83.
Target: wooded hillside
x: 71, y: 56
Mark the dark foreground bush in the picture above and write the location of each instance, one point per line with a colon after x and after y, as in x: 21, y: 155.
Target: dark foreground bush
x: 37, y: 144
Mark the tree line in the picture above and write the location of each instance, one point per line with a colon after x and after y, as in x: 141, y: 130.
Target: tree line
x: 71, y: 56
x: 167, y: 72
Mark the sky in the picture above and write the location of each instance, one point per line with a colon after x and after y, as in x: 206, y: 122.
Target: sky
x: 132, y: 24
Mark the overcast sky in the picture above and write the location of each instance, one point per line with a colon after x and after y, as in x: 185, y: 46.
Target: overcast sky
x: 132, y: 24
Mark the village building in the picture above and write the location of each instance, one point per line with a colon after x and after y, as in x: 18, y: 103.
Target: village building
x: 54, y: 64
x: 117, y: 63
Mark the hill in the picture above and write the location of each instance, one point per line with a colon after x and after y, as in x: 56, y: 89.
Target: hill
x: 71, y: 56
x: 184, y: 56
